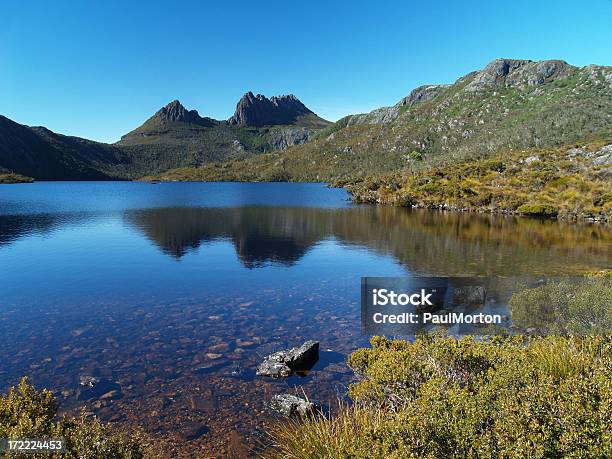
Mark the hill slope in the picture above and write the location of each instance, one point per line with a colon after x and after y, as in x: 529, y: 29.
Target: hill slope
x: 40, y: 153
x: 509, y: 105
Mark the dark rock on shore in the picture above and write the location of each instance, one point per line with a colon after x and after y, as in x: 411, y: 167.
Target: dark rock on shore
x: 284, y: 363
x: 290, y: 405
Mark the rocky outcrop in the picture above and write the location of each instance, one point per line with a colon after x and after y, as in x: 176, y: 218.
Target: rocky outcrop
x: 288, y: 137
x: 389, y: 114
x: 175, y: 112
x: 292, y: 406
x: 257, y: 111
x: 518, y: 73
x: 284, y: 363
x: 422, y: 94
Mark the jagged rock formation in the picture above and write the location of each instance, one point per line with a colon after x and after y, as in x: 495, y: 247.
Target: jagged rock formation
x: 174, y: 112
x: 257, y: 111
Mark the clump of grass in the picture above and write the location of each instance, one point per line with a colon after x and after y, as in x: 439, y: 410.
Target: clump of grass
x: 324, y: 436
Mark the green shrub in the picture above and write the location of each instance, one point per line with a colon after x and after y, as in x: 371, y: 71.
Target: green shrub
x: 28, y: 413
x: 540, y: 210
x: 415, y: 155
x: 565, y: 307
x: 447, y: 398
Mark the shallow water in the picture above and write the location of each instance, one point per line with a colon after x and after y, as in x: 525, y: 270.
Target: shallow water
x: 175, y: 291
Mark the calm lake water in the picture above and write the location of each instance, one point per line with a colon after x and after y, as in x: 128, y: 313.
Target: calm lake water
x: 172, y: 293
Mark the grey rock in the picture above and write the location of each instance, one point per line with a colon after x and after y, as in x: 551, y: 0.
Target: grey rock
x: 291, y: 406
x: 422, y: 94
x: 283, y: 363
x: 573, y: 153
x: 518, y: 73
x: 174, y: 112
x: 532, y: 159
x: 602, y: 157
x: 258, y: 110
x: 389, y: 114
x: 285, y: 138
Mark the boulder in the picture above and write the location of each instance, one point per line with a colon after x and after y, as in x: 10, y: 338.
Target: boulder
x: 291, y: 406
x: 283, y: 363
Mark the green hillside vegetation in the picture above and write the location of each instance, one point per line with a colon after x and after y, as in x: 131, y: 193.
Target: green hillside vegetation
x: 9, y: 177
x: 28, y: 413
x: 175, y: 145
x: 561, y: 182
x: 508, y: 106
x: 446, y: 398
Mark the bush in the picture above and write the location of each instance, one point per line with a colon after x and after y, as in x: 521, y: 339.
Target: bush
x: 447, y: 398
x: 539, y: 210
x: 28, y: 413
x: 575, y: 307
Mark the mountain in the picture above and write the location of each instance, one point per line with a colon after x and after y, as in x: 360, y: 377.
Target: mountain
x: 509, y: 105
x: 173, y: 137
x: 40, y: 153
x: 257, y: 111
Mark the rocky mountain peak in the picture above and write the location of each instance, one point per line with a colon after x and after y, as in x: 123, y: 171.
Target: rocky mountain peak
x: 258, y: 110
x: 175, y: 112
x: 518, y: 73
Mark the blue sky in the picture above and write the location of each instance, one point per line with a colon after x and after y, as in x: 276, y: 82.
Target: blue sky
x: 99, y: 69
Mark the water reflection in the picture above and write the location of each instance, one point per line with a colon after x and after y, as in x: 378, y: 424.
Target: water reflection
x: 424, y: 241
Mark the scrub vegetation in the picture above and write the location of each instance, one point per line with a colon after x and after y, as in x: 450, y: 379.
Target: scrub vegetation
x: 10, y: 177
x: 28, y: 413
x: 445, y: 398
x: 569, y: 182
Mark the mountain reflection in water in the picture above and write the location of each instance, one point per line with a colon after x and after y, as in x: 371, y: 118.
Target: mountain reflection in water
x: 424, y: 241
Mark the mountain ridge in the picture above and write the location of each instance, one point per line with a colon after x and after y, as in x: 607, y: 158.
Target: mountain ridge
x: 506, y: 106
x: 510, y: 104
x: 172, y: 137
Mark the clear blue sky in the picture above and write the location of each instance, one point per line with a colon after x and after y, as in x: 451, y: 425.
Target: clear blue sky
x: 99, y: 69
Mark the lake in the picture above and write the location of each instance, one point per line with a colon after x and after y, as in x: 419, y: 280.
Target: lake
x: 173, y: 293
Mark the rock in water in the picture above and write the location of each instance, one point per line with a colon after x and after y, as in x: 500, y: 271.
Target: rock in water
x: 92, y: 387
x: 290, y: 405
x: 283, y: 363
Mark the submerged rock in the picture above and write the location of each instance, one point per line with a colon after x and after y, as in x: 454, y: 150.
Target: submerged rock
x: 290, y: 405
x: 92, y: 387
x: 283, y: 363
